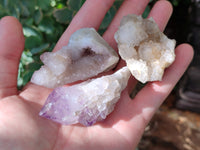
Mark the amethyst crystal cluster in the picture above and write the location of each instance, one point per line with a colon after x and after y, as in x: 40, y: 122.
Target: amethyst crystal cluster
x: 146, y: 50
x: 87, y: 102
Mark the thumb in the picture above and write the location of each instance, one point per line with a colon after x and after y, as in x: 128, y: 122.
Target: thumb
x: 12, y: 45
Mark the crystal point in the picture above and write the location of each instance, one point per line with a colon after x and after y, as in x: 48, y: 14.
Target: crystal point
x: 86, y: 55
x: 87, y: 102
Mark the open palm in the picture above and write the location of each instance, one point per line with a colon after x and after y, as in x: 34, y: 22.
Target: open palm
x: 22, y: 129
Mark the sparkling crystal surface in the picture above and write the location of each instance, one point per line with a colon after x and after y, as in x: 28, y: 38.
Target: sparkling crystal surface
x: 146, y: 50
x: 87, y: 102
x: 86, y: 55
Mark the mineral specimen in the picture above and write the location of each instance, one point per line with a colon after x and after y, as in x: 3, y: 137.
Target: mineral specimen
x: 86, y: 102
x: 146, y: 50
x: 85, y: 56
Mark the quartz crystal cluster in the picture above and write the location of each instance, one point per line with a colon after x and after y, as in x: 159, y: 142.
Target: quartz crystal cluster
x: 146, y: 50
x: 86, y: 55
x: 87, y: 102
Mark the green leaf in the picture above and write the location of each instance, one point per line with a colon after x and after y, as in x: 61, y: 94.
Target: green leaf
x: 38, y: 15
x: 117, y: 4
x: 60, y: 6
x: 19, y: 77
x: 33, y: 37
x: 4, y: 2
x: 14, y: 11
x: 63, y: 15
x: 39, y: 49
x: 53, y: 37
x: 36, y: 58
x: 26, y: 58
x: 108, y: 18
x: 24, y: 10
x: 82, y: 2
x: 3, y: 11
x: 27, y: 22
x: 34, y: 66
x: 29, y: 5
x: 26, y: 77
x: 47, y: 25
x: 146, y: 11
x: 74, y: 4
x: 175, y: 2
x: 31, y: 31
x: 32, y: 41
x: 43, y: 4
x: 29, y: 72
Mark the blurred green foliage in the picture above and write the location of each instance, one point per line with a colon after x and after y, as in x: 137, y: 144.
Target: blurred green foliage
x: 41, y: 30
x: 43, y: 23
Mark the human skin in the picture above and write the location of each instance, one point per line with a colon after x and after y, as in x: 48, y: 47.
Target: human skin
x: 22, y: 128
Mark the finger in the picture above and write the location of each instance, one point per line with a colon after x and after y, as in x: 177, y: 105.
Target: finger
x: 12, y: 45
x: 91, y: 14
x: 162, y: 18
x: 128, y: 7
x: 134, y: 115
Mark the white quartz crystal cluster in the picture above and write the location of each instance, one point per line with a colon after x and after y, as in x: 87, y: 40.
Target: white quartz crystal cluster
x: 86, y: 55
x: 87, y: 102
x: 146, y: 50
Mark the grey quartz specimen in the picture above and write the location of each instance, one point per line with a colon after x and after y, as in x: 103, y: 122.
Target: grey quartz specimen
x: 146, y: 50
x: 86, y: 55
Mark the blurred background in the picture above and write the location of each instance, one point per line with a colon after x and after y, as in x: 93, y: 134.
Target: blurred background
x: 176, y: 125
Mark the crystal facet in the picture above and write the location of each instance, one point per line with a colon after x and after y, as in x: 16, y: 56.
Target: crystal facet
x: 146, y: 50
x: 86, y: 55
x: 87, y: 102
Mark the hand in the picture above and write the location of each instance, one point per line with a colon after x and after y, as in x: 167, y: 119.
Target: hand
x: 22, y: 128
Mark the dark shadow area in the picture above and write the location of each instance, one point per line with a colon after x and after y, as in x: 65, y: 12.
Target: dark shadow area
x: 186, y: 20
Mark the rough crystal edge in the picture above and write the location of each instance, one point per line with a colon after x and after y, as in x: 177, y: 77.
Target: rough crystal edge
x: 55, y: 77
x: 128, y: 52
x: 121, y: 76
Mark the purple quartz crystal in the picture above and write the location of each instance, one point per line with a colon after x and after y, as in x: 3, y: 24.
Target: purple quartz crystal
x: 87, y: 102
